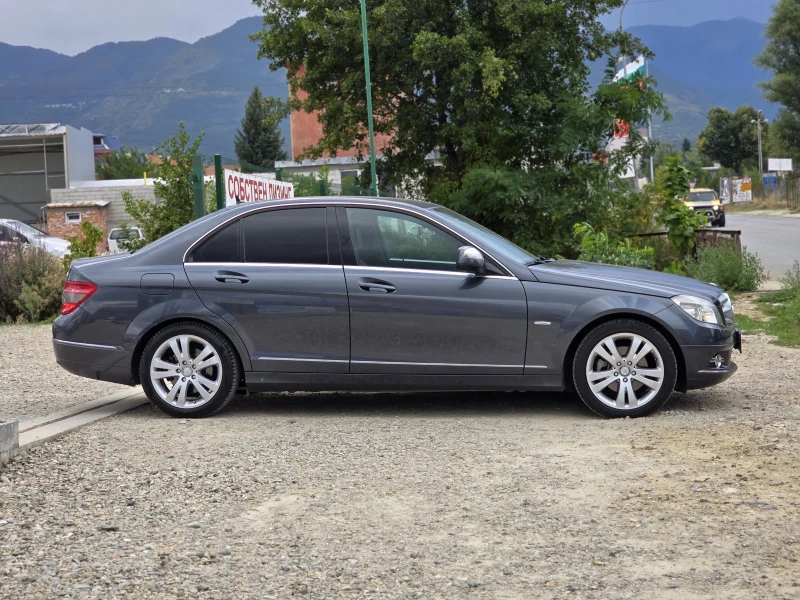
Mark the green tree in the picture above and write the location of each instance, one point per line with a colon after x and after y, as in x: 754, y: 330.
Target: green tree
x: 173, y: 189
x: 482, y: 85
x: 780, y: 55
x: 84, y: 245
x: 681, y: 222
x: 731, y: 138
x: 128, y: 163
x: 686, y: 146
x: 259, y: 141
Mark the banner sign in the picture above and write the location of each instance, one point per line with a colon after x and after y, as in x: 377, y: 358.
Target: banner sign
x: 631, y: 69
x: 781, y: 165
x: 254, y: 187
x: 743, y: 190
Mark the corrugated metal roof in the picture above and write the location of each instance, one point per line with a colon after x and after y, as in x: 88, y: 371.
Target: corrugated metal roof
x: 32, y: 129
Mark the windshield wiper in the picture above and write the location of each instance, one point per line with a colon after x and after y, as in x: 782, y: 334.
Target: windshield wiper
x: 539, y: 260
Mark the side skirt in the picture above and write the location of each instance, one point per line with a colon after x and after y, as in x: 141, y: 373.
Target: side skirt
x: 356, y: 382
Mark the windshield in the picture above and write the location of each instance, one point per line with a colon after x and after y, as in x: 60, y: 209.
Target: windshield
x: 26, y: 230
x: 701, y: 196
x: 484, y: 236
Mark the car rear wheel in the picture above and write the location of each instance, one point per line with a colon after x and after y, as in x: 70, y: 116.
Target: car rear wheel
x: 625, y: 368
x: 189, y: 370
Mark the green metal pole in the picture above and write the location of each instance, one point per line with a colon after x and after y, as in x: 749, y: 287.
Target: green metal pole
x: 197, y: 184
x: 374, y: 182
x: 218, y: 174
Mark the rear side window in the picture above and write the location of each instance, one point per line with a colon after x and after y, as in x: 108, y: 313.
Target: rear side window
x: 293, y: 236
x: 223, y: 246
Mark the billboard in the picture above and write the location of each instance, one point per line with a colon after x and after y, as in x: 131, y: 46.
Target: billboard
x: 254, y: 187
x: 780, y: 165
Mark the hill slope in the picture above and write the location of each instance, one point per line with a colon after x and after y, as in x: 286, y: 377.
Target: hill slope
x: 138, y: 91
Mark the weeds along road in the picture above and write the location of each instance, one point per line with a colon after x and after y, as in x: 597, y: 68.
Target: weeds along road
x: 776, y: 240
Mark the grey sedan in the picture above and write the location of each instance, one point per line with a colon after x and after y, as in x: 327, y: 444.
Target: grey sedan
x: 323, y: 294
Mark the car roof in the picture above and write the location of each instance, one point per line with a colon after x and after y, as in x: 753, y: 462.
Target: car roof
x: 702, y: 190
x: 352, y: 200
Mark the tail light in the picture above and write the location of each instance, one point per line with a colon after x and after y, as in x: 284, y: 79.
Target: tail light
x: 75, y: 294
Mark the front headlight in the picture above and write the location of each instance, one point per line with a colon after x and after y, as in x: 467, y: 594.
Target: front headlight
x: 699, y: 309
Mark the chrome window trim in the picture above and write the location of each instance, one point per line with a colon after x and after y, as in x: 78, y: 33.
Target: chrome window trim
x: 462, y: 274
x: 423, y: 364
x: 84, y: 345
x: 536, y: 367
x: 400, y: 209
x: 253, y: 264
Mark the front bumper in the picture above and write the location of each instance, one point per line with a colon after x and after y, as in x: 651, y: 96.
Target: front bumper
x: 701, y: 369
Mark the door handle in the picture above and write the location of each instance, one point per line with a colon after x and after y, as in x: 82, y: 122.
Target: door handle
x: 376, y: 286
x: 230, y: 277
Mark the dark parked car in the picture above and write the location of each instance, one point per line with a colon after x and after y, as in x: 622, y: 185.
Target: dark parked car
x: 370, y: 294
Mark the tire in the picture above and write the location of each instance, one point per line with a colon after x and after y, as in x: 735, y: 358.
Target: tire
x: 208, y: 389
x: 721, y: 221
x: 624, y: 390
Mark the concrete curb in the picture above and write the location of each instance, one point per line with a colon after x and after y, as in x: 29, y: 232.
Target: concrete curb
x: 32, y: 433
x: 9, y: 440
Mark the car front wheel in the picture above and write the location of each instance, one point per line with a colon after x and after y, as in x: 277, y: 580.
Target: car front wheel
x: 189, y: 370
x: 625, y: 368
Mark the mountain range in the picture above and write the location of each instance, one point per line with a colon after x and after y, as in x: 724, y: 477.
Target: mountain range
x: 138, y: 91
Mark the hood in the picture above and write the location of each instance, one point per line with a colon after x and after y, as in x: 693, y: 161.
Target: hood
x: 54, y: 245
x: 622, y: 279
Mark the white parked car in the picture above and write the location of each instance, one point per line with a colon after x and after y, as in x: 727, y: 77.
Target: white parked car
x: 17, y: 232
x: 134, y: 233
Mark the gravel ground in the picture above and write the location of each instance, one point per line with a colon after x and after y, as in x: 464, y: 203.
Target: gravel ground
x: 420, y: 496
x: 31, y: 383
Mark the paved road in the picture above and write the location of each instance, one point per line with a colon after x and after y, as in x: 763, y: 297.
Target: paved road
x: 776, y: 240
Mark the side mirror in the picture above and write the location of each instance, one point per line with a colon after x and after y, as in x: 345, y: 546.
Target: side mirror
x: 471, y: 260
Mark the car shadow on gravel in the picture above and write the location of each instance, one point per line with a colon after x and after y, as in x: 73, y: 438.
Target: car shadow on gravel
x: 440, y: 404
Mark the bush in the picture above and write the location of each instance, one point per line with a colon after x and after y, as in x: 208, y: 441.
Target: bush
x: 31, y: 282
x: 596, y: 247
x: 791, y: 281
x: 726, y: 266
x: 84, y: 245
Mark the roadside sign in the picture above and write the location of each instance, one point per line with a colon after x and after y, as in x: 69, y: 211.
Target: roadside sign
x: 254, y: 187
x: 747, y: 185
x: 780, y: 165
x: 771, y: 180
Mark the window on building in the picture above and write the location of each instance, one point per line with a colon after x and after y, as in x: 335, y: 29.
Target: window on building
x: 294, y: 236
x: 72, y: 218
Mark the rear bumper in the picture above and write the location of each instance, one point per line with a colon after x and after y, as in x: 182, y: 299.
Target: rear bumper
x: 95, y: 361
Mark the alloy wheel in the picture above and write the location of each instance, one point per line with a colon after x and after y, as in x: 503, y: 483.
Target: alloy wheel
x: 186, y: 371
x: 625, y: 371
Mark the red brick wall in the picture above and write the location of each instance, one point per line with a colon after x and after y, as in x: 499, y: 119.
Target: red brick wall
x: 307, y: 131
x: 57, y: 225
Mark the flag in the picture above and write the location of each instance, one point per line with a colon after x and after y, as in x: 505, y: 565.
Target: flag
x: 637, y: 66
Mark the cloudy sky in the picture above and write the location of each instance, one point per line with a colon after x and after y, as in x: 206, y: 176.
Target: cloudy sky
x: 72, y: 26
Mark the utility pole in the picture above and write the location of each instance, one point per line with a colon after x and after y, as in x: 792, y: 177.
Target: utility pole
x: 374, y: 180
x: 759, y: 120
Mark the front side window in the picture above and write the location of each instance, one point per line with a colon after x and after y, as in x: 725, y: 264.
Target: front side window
x: 386, y: 239
x: 289, y: 236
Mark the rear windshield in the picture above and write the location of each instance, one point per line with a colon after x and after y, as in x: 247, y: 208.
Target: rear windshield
x: 701, y: 196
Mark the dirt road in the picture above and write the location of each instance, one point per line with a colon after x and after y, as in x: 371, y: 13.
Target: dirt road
x: 420, y: 496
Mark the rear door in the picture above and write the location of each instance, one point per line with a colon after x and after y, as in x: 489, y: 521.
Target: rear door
x: 277, y: 277
x: 412, y: 311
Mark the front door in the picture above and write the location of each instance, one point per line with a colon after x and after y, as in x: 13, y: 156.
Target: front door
x: 412, y: 311
x: 277, y: 277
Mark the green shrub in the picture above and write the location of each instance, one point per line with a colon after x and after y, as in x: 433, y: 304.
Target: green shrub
x: 84, y: 245
x: 31, y: 282
x: 726, y: 266
x: 596, y: 247
x: 791, y: 281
